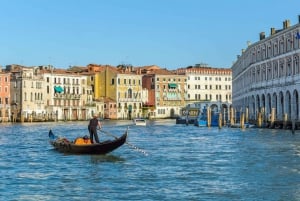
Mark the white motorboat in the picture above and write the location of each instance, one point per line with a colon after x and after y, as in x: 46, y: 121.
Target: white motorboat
x: 139, y: 122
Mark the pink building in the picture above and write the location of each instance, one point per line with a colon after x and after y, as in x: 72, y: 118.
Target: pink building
x: 4, y: 97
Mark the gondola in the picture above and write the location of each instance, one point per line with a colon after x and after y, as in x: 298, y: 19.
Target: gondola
x: 83, y: 146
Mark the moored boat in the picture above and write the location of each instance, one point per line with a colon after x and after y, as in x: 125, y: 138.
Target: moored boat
x: 201, y: 121
x: 140, y: 122
x: 84, y: 146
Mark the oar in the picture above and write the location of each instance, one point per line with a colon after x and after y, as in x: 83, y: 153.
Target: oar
x: 130, y: 145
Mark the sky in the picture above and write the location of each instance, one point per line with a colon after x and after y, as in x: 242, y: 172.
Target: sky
x: 168, y: 33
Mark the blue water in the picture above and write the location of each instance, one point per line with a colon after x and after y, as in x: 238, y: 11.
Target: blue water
x: 181, y: 163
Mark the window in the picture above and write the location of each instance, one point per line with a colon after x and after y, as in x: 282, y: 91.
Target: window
x: 112, y: 81
x: 129, y: 93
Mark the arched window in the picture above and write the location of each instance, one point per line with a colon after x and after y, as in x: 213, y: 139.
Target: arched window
x: 129, y: 93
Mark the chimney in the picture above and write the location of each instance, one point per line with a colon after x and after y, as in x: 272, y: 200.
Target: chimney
x: 273, y: 31
x: 262, y: 35
x: 286, y: 24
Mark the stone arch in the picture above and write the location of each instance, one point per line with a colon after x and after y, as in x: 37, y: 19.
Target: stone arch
x: 257, y: 103
x: 288, y: 104
x: 275, y: 103
x: 268, y: 104
x: 214, y: 107
x: 295, y: 105
x: 263, y: 105
x: 280, y: 105
x: 225, y: 111
x: 252, y: 108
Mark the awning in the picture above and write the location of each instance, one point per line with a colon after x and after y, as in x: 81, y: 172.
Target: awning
x: 58, y: 89
x: 172, y: 85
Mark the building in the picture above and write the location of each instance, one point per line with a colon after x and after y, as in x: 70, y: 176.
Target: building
x: 266, y: 76
x: 68, y: 95
x: 5, y: 99
x: 208, y: 87
x: 166, y: 92
x: 43, y: 93
x: 120, y: 88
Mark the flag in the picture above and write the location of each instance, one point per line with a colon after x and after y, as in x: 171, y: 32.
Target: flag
x: 297, y: 35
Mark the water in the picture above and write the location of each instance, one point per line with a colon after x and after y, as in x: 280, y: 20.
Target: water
x: 182, y: 163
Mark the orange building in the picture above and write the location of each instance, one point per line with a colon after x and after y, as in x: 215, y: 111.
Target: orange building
x: 4, y: 97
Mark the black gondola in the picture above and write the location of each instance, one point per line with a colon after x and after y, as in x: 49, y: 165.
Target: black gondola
x: 65, y: 146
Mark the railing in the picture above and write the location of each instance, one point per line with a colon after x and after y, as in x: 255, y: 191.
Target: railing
x: 67, y: 96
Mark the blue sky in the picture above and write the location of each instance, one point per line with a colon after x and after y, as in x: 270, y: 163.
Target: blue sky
x: 167, y: 33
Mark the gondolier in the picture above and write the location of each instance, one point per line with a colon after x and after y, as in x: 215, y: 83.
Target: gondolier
x: 92, y: 127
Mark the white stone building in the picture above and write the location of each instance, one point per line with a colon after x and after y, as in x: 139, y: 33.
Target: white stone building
x: 67, y: 95
x: 266, y: 75
x: 208, y: 87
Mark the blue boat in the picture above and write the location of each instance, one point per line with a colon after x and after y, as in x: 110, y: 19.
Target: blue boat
x: 201, y: 121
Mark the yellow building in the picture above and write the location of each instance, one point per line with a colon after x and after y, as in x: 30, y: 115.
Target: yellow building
x: 121, y: 88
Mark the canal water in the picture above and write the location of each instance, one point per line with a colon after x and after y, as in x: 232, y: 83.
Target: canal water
x: 174, y: 162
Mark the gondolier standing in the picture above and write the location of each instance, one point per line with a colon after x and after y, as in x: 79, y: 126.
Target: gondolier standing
x: 94, y: 123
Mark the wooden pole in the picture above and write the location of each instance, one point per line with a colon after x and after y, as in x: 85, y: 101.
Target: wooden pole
x: 285, y: 117
x: 293, y: 125
x: 231, y: 117
x: 247, y: 115
x: 272, y: 118
x: 259, y: 120
x: 242, y: 120
x: 220, y: 120
x: 208, y: 117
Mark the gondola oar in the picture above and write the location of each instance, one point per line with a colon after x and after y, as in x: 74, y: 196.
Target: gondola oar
x: 130, y: 145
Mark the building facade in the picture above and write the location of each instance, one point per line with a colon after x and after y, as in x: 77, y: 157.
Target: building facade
x: 169, y: 93
x: 266, y: 76
x: 5, y: 99
x: 67, y: 95
x: 121, y: 89
x: 208, y: 87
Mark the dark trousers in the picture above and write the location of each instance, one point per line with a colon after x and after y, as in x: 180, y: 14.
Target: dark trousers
x: 93, y: 133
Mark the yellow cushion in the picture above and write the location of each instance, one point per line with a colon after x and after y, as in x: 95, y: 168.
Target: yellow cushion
x: 81, y: 141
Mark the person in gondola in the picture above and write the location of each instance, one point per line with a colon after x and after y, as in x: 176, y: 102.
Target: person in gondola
x: 93, y: 124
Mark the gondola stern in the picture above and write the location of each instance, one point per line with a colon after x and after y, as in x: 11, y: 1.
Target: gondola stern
x: 51, y: 135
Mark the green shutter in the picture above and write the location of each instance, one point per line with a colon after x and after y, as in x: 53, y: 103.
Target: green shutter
x: 172, y: 85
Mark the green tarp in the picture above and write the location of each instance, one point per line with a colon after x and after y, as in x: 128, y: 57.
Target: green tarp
x: 172, y: 85
x: 58, y: 89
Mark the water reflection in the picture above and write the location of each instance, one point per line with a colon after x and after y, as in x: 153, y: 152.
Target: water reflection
x: 106, y: 158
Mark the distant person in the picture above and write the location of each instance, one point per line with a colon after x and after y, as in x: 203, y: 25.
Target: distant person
x: 94, y: 123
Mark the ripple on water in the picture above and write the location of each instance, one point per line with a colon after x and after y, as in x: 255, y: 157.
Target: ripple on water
x: 183, y: 163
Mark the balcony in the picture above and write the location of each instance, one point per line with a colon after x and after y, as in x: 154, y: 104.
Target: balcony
x: 67, y: 96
